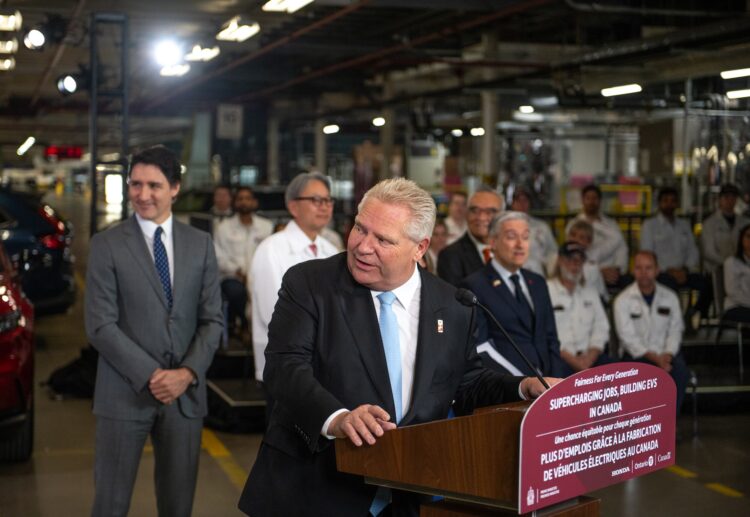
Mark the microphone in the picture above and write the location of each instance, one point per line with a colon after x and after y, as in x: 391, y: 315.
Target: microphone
x: 468, y: 298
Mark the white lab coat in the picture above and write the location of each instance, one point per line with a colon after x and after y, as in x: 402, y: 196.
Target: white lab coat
x: 643, y: 329
x: 719, y: 240
x: 673, y: 243
x: 736, y: 283
x: 608, y: 248
x: 542, y: 247
x: 579, y: 316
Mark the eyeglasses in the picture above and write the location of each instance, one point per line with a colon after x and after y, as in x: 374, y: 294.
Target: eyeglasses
x: 475, y: 210
x: 316, y: 200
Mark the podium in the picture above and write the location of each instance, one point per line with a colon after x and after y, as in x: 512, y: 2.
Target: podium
x: 471, y: 461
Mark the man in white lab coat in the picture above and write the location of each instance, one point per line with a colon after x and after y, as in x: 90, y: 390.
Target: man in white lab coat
x: 649, y: 323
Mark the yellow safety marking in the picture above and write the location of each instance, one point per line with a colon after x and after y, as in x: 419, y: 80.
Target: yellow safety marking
x: 80, y: 282
x: 724, y: 490
x: 236, y: 474
x: 684, y: 473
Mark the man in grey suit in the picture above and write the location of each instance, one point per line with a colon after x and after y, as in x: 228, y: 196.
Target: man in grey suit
x: 153, y: 311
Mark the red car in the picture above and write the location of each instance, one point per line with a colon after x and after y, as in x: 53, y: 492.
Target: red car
x: 16, y: 366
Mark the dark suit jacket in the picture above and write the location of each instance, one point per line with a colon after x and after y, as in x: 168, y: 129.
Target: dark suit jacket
x: 492, y: 292
x: 129, y: 322
x: 459, y: 260
x: 325, y: 353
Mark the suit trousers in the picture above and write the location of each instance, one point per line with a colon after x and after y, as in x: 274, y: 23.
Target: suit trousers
x: 119, y: 444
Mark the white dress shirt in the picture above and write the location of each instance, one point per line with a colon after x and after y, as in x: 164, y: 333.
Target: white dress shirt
x: 672, y: 242
x: 737, y: 282
x: 643, y: 328
x: 608, y: 248
x: 236, y: 243
x: 719, y: 240
x: 167, y: 237
x: 505, y: 276
x: 542, y: 247
x: 273, y: 257
x: 579, y: 316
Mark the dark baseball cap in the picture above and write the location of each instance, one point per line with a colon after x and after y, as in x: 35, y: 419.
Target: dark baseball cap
x: 570, y: 248
x: 728, y: 189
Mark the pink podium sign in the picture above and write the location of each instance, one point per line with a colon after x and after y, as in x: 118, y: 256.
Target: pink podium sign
x: 596, y: 428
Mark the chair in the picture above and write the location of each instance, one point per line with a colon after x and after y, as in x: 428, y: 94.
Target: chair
x: 720, y: 294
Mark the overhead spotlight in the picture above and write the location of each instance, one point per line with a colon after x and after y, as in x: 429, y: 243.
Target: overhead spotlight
x: 738, y: 94
x: 167, y: 53
x: 457, y: 133
x: 25, y: 146
x: 733, y: 74
x: 199, y: 53
x: 10, y: 21
x: 378, y: 122
x: 331, y: 129
x: 621, y: 90
x: 7, y: 64
x: 34, y: 39
x: 526, y: 109
x: 175, y: 70
x: 237, y: 30
x: 288, y: 6
x: 477, y: 131
x: 67, y: 84
x: 9, y: 46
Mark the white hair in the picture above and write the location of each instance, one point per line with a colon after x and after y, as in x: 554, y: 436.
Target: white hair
x: 406, y: 193
x: 502, y: 217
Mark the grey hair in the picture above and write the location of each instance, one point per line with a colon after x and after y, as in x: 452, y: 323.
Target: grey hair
x: 403, y: 192
x: 488, y: 190
x: 502, y: 217
x: 583, y: 226
x: 300, y: 181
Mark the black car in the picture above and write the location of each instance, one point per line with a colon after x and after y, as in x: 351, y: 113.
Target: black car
x: 38, y: 242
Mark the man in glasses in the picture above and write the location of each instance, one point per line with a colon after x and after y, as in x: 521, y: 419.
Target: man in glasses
x: 472, y: 251
x: 308, y: 199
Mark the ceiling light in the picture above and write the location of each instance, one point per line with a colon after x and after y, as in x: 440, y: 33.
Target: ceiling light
x: 738, y: 94
x: 733, y: 74
x: 9, y: 46
x: 331, y: 129
x: 34, y: 39
x: 167, y: 53
x: 67, y: 84
x: 10, y: 21
x: 235, y: 30
x: 477, y: 131
x: 526, y: 109
x: 621, y: 90
x: 199, y: 53
x: 25, y: 146
x: 457, y: 132
x: 7, y: 64
x: 288, y: 6
x: 378, y: 122
x: 175, y: 70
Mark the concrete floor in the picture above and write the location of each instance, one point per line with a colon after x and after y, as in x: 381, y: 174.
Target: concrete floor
x: 712, y: 476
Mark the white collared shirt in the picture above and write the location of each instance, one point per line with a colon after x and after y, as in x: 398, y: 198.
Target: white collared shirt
x: 236, y: 242
x: 148, y: 228
x: 542, y: 247
x: 579, y: 316
x: 273, y: 257
x: 505, y: 276
x: 671, y: 241
x: 737, y: 282
x: 608, y: 248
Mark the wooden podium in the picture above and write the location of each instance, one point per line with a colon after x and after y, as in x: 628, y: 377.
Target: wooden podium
x: 471, y: 461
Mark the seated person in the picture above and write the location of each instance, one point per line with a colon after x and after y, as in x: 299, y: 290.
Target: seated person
x: 737, y: 280
x: 581, y: 232
x: 671, y: 239
x: 721, y: 228
x: 222, y: 207
x: 608, y: 247
x: 582, y: 324
x: 649, y: 323
x: 519, y: 300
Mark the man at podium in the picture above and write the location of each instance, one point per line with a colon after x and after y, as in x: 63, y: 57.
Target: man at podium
x: 359, y: 343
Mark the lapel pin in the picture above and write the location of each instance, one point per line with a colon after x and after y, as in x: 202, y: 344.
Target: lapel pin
x: 440, y: 326
x: 496, y: 283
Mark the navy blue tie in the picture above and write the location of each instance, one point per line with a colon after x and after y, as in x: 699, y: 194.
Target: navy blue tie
x: 523, y: 303
x: 162, y: 264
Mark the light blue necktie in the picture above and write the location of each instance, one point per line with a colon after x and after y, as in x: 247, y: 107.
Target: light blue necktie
x: 389, y: 335
x: 162, y: 264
